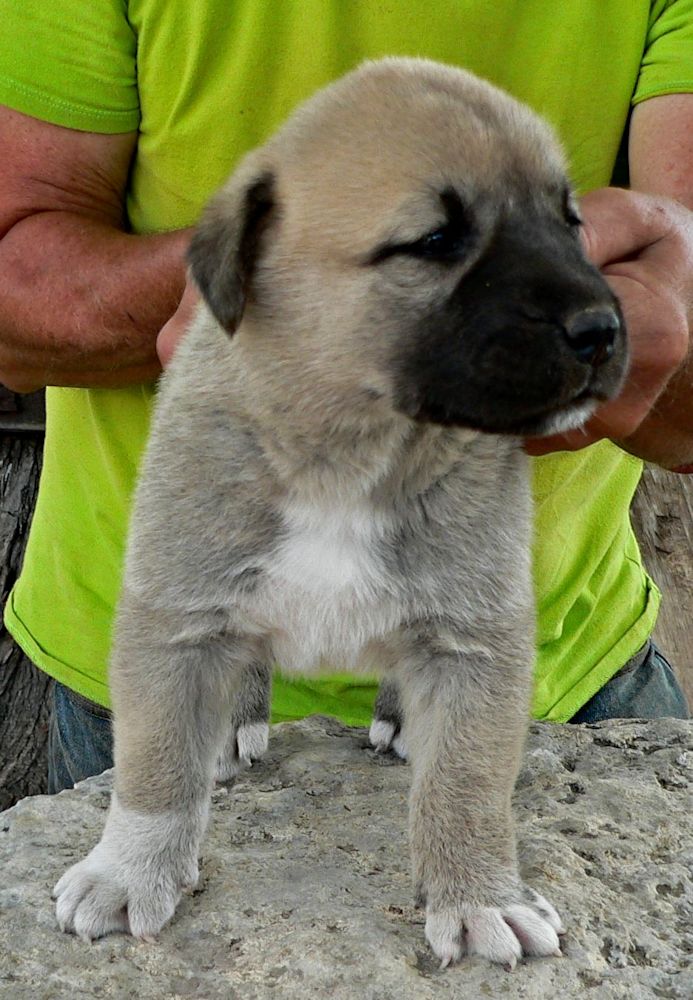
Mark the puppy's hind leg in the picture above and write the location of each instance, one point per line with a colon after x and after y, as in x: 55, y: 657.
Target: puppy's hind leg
x: 386, y: 728
x: 466, y: 712
x: 249, y: 732
x: 172, y: 680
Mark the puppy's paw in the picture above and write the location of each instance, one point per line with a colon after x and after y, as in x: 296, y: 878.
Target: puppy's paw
x: 527, y: 926
x: 385, y: 735
x: 248, y: 743
x: 100, y: 895
x: 252, y: 741
x: 386, y: 728
x: 131, y: 881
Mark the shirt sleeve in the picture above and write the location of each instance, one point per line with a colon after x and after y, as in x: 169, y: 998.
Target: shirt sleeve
x: 70, y: 62
x: 667, y: 63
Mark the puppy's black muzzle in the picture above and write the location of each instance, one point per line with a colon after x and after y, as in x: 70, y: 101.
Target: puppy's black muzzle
x: 530, y: 334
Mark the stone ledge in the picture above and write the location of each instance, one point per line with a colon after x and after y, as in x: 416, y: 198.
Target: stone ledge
x: 305, y: 888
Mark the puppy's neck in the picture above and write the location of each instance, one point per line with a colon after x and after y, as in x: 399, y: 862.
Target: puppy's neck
x: 347, y: 458
x: 322, y: 445
x: 357, y: 461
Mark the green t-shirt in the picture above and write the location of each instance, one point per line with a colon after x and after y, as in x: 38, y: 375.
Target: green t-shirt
x: 205, y: 81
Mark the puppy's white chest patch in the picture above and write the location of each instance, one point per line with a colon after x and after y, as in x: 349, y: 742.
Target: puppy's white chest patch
x: 327, y: 551
x: 326, y: 593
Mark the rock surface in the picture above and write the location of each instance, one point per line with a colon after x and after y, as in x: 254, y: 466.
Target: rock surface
x: 305, y: 888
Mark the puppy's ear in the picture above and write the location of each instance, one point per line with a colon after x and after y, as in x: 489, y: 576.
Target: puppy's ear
x: 225, y: 246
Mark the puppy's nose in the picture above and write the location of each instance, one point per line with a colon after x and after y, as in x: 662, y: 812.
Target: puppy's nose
x: 591, y: 335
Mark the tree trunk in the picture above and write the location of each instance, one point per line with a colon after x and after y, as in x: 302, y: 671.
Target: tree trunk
x: 662, y: 515
x: 23, y: 688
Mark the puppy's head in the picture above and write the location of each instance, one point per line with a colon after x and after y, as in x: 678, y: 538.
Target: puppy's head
x: 409, y: 241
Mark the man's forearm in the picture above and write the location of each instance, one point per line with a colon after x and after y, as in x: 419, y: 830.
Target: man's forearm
x: 81, y: 302
x: 661, y: 147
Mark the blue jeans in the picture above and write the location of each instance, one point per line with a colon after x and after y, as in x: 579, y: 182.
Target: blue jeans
x: 80, y: 740
x: 646, y: 688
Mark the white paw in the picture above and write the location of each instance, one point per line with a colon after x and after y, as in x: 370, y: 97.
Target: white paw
x: 252, y: 741
x: 131, y: 881
x: 383, y: 736
x: 247, y: 744
x: 500, y: 934
x: 97, y: 897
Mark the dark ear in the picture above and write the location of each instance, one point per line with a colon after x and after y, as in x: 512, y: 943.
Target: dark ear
x: 225, y: 246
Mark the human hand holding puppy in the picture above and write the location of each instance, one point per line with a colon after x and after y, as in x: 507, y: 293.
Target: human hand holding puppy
x: 172, y: 331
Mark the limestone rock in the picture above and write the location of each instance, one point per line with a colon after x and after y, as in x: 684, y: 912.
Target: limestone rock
x: 305, y: 887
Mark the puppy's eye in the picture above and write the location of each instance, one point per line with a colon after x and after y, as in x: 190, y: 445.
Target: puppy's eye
x: 445, y: 244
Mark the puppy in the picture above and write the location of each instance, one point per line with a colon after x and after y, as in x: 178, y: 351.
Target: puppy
x: 394, y: 292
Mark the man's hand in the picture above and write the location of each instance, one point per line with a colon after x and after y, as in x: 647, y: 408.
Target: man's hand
x: 644, y: 247
x: 172, y: 331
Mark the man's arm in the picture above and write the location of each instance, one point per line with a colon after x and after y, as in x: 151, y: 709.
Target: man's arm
x: 661, y: 147
x: 81, y: 299
x: 644, y: 246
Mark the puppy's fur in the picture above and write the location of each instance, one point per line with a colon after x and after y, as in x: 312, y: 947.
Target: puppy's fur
x: 394, y: 273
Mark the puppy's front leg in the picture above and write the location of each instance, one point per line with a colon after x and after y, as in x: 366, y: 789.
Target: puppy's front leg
x: 466, y: 715
x: 171, y: 681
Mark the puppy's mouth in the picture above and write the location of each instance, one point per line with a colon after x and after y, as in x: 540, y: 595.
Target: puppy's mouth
x: 557, y: 420
x: 479, y: 408
x: 541, y: 422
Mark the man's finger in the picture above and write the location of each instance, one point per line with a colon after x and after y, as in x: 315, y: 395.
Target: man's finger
x: 174, y: 329
x: 620, y: 224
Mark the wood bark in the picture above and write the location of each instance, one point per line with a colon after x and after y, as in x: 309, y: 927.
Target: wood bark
x: 23, y: 688
x: 662, y: 515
